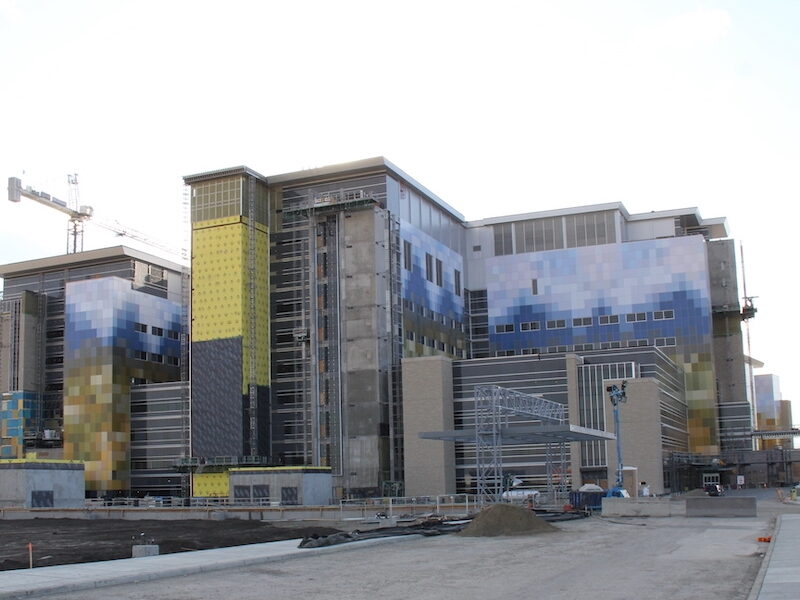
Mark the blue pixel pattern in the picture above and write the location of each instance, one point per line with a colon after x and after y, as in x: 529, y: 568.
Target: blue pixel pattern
x: 416, y: 287
x: 656, y: 290
x: 106, y: 312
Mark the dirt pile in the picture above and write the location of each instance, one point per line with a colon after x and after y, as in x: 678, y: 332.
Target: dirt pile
x: 506, y: 519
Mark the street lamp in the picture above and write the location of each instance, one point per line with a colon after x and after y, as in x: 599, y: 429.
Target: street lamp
x: 617, y: 396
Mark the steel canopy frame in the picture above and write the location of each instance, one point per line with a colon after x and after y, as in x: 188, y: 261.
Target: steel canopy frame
x: 493, y: 406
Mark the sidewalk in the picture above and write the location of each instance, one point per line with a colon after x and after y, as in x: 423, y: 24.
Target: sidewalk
x: 779, y: 577
x: 23, y: 583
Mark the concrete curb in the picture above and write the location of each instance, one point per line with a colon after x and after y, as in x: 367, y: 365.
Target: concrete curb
x: 67, y: 578
x: 755, y: 591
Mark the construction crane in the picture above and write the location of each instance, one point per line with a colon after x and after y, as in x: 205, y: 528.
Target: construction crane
x: 79, y: 215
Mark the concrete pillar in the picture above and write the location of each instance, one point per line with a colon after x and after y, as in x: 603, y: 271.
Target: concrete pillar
x: 428, y: 406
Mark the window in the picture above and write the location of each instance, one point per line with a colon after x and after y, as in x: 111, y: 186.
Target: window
x: 172, y: 334
x: 476, y: 248
x: 172, y: 360
x: 554, y: 349
x: 634, y: 317
x: 535, y: 287
x: 430, y: 342
x: 140, y: 327
x: 154, y: 357
x: 608, y: 319
x: 539, y: 234
x: 665, y: 341
x: 610, y: 345
x: 579, y: 347
x: 530, y: 351
x: 457, y: 281
x: 438, y: 272
x: 637, y: 343
x: 428, y: 267
x: 557, y: 324
x: 502, y: 239
x: 504, y: 353
x: 289, y: 496
x: 529, y: 326
x: 159, y: 331
x: 407, y: 255
x: 441, y: 346
x: 422, y: 340
x: 505, y: 328
x: 660, y: 315
x: 140, y: 354
x: 582, y: 322
x: 410, y: 335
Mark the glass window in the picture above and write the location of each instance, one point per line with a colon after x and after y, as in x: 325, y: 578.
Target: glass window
x: 608, y: 319
x: 502, y: 239
x: 557, y: 324
x: 457, y: 281
x: 407, y: 255
x: 529, y: 326
x: 428, y: 267
x: 438, y: 272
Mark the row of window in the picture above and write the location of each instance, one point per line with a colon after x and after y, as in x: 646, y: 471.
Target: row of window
x: 658, y: 315
x: 159, y: 331
x: 432, y: 315
x: 659, y: 341
x: 434, y: 343
x: 155, y: 357
x: 434, y: 268
x: 551, y: 233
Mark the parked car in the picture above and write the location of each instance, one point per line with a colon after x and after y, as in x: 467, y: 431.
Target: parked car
x: 714, y: 489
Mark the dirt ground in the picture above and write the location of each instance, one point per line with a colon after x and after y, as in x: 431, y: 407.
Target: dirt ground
x: 66, y: 541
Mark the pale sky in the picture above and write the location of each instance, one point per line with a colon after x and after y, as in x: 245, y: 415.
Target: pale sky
x: 497, y: 107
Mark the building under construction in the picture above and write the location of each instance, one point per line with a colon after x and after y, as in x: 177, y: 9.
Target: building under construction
x: 310, y: 288
x: 93, y: 349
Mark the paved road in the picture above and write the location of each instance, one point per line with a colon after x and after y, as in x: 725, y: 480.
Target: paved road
x: 594, y: 559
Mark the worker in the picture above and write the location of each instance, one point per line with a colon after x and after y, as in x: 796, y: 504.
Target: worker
x: 644, y: 490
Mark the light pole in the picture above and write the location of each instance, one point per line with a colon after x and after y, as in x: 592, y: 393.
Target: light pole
x: 617, y: 396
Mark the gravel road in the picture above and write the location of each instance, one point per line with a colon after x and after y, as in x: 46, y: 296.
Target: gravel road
x: 594, y: 559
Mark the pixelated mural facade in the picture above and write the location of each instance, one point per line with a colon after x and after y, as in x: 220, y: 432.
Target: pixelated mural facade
x: 653, y: 292
x: 18, y: 409
x: 433, y: 295
x: 114, y: 336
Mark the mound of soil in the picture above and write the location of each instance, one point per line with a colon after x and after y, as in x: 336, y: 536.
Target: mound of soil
x: 506, y: 519
x: 64, y: 541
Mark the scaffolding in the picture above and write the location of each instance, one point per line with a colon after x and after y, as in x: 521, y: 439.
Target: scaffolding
x: 493, y: 407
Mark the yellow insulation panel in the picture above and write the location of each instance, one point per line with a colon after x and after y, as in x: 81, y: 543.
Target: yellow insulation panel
x: 221, y: 289
x: 211, y: 485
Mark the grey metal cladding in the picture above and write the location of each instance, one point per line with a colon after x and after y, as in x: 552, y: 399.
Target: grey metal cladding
x: 217, y: 398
